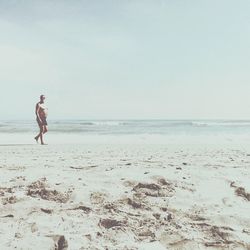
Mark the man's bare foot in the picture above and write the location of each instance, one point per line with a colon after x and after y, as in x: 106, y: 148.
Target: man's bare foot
x: 36, y: 138
x: 44, y: 144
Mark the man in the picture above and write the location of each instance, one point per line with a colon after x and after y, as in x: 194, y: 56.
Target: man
x: 41, y: 116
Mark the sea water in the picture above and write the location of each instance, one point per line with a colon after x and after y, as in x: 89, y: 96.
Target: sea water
x: 147, y: 129
x: 131, y: 126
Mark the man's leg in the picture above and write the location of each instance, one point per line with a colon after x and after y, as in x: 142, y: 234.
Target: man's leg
x: 39, y: 135
x: 45, y: 129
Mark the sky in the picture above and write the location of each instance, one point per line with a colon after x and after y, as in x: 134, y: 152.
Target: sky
x: 125, y: 59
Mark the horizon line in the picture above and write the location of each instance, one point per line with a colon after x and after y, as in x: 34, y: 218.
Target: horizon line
x: 133, y: 119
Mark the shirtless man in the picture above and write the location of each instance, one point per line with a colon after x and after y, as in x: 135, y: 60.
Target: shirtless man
x: 41, y: 116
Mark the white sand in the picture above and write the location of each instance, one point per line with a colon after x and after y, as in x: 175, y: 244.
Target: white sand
x: 194, y: 200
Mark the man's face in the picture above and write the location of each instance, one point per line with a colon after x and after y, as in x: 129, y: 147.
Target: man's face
x: 42, y: 98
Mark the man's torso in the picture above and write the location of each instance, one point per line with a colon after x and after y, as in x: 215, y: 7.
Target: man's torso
x: 43, y: 110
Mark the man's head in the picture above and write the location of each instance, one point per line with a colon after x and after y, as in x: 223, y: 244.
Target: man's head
x: 42, y: 98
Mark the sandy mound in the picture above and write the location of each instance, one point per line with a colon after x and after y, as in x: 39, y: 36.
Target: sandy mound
x: 39, y: 189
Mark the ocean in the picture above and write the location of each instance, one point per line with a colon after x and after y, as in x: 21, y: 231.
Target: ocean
x: 131, y: 127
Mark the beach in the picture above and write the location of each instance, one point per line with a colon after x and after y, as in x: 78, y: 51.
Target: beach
x: 120, y: 193
x: 124, y: 125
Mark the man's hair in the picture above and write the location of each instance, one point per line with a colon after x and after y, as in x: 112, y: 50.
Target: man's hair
x: 41, y: 96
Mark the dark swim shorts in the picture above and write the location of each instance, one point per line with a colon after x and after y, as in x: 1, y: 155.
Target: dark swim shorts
x: 44, y: 121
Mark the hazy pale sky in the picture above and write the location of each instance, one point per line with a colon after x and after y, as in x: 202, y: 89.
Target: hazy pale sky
x: 172, y: 59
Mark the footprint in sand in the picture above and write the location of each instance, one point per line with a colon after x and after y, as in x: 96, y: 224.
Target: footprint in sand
x: 97, y: 198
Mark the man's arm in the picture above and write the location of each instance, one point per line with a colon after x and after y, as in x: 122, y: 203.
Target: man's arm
x: 37, y: 112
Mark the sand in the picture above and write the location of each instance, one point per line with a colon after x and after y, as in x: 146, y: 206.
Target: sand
x: 124, y: 196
